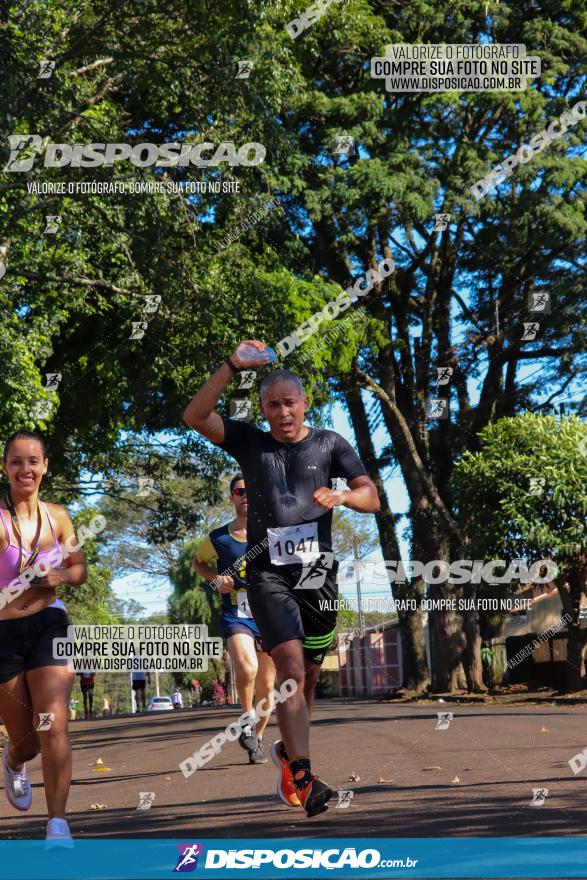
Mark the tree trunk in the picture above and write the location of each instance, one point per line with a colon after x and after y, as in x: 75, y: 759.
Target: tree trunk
x: 415, y: 667
x: 571, y: 585
x: 434, y: 531
x: 472, y: 652
x: 428, y: 542
x: 447, y: 643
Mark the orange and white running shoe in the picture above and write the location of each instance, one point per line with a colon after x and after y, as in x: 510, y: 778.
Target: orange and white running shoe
x: 286, y: 788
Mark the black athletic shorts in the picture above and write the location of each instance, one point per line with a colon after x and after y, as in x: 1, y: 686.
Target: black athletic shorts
x: 283, y: 613
x: 27, y: 642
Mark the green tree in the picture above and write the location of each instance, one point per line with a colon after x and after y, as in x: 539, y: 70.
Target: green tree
x: 524, y: 495
x: 193, y: 600
x: 94, y: 601
x: 458, y: 297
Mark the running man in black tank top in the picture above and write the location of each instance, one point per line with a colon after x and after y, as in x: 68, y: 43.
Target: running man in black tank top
x: 290, y: 567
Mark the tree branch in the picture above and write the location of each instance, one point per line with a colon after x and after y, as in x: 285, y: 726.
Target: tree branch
x: 402, y: 425
x: 98, y: 63
x: 71, y: 279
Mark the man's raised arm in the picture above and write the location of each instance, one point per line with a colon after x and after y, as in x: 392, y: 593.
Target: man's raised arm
x: 199, y: 414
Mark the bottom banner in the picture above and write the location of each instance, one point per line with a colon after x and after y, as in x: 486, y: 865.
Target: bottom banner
x: 303, y: 857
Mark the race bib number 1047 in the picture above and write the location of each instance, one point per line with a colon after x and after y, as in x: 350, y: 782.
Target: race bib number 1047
x: 294, y: 545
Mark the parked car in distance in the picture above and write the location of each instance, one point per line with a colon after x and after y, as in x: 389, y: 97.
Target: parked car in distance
x: 160, y: 704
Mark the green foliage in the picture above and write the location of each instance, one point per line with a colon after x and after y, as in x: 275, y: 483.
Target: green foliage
x: 193, y: 600
x: 144, y: 75
x: 525, y: 493
x: 94, y: 601
x: 154, y: 72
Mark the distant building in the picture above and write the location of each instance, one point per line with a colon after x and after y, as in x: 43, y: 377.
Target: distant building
x: 371, y: 664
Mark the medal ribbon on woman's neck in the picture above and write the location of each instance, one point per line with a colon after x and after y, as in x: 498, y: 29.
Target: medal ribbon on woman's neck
x: 34, y: 551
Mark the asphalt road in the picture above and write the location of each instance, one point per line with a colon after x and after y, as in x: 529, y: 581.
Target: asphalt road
x: 497, y: 754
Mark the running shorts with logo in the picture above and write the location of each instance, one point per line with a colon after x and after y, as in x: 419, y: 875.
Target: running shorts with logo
x: 291, y: 572
x: 284, y: 612
x: 27, y: 642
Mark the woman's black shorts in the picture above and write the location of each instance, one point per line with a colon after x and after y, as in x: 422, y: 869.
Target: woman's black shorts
x: 27, y: 642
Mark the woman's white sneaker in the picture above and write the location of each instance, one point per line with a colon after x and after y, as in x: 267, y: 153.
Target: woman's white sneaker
x: 17, y: 786
x: 58, y: 834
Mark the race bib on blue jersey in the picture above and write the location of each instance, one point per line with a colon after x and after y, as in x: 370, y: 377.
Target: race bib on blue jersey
x: 242, y: 602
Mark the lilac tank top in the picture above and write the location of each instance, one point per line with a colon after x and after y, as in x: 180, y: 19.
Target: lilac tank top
x: 10, y: 559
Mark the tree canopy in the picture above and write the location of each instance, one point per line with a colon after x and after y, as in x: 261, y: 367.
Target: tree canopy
x: 458, y: 298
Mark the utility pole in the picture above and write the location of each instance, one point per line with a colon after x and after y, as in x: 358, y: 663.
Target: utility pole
x: 358, y: 583
x: 367, y: 640
x: 133, y: 704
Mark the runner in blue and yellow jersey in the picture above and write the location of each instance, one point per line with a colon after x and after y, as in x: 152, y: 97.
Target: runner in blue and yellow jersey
x: 255, y: 672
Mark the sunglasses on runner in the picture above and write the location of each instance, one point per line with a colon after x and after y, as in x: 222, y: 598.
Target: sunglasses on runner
x: 239, y: 491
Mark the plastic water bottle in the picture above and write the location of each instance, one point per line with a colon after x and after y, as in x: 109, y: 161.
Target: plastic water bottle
x: 249, y: 354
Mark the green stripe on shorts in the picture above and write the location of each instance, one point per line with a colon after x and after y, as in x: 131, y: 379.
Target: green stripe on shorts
x: 319, y: 641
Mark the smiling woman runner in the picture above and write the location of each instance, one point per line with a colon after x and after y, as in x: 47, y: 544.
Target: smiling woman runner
x: 35, y: 688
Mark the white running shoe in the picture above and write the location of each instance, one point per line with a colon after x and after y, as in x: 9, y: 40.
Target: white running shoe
x: 58, y: 834
x: 17, y: 786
